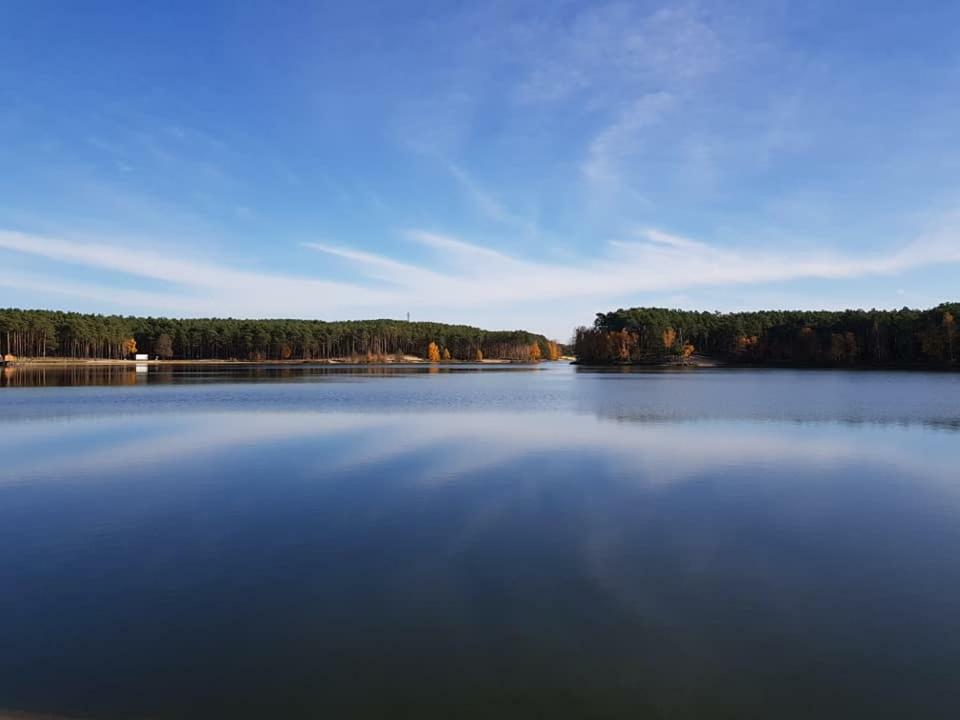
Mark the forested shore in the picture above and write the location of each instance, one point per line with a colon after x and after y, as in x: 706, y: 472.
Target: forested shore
x: 903, y: 338
x: 56, y: 334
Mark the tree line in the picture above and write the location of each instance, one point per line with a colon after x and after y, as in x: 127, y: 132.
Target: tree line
x: 880, y: 338
x: 50, y: 333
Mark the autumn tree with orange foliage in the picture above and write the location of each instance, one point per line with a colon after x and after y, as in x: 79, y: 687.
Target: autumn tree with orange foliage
x: 433, y: 352
x: 553, y: 350
x: 446, y: 354
x: 478, y: 356
x: 669, y: 338
x: 130, y: 346
x: 623, y: 343
x: 535, y: 351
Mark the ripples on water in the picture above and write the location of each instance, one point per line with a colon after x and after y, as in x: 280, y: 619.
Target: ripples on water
x: 508, y: 542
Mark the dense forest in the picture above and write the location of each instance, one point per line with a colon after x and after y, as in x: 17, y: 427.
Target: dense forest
x: 880, y: 338
x: 48, y: 333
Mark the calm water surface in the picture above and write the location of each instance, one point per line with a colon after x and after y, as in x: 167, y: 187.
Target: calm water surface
x: 525, y: 543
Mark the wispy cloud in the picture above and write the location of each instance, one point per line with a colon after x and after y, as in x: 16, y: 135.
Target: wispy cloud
x: 611, y: 51
x: 671, y: 100
x: 379, y: 267
x: 652, y: 454
x: 652, y: 261
x: 456, y: 248
x: 485, y: 202
x: 461, y: 275
x: 205, y: 287
x: 628, y: 67
x: 618, y: 142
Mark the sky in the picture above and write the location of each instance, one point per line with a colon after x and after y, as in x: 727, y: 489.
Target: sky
x: 506, y: 165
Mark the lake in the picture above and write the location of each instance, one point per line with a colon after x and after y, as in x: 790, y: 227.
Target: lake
x: 508, y: 542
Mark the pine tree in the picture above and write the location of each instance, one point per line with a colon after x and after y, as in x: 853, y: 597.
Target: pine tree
x: 163, y: 346
x: 950, y: 327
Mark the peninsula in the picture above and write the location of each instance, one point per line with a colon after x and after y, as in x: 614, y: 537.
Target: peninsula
x: 904, y: 338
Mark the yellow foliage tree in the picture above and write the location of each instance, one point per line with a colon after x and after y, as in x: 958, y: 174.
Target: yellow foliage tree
x: 669, y: 338
x: 687, y: 350
x: 446, y: 353
x: 130, y: 346
x: 553, y: 350
x: 433, y: 352
x: 534, y: 351
x: 479, y: 355
x: 623, y: 343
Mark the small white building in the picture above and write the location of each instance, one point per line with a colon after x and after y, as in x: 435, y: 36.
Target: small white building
x: 141, y: 356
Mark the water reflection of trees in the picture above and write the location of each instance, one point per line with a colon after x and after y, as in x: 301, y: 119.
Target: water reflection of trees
x: 64, y: 376
x: 798, y: 397
x: 92, y: 375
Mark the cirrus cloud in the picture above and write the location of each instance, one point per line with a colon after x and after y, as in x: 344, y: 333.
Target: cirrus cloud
x: 460, y: 277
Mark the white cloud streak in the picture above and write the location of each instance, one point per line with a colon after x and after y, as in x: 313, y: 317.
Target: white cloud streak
x: 611, y: 48
x: 461, y: 276
x: 617, y: 142
x: 203, y: 286
x: 485, y: 202
x: 656, y: 261
x: 649, y: 457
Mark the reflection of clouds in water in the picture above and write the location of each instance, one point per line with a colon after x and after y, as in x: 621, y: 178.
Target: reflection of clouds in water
x: 653, y: 453
x: 550, y: 529
x: 849, y: 398
x: 801, y: 396
x: 162, y: 439
x: 463, y: 443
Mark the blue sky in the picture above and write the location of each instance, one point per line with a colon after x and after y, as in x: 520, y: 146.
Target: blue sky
x: 501, y: 164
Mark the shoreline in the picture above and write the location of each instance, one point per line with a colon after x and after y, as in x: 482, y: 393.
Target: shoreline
x: 22, y: 715
x: 105, y: 362
x: 698, y: 364
x: 720, y: 365
x: 695, y: 362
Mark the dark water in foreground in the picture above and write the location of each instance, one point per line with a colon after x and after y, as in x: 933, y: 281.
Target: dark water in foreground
x: 522, y: 543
